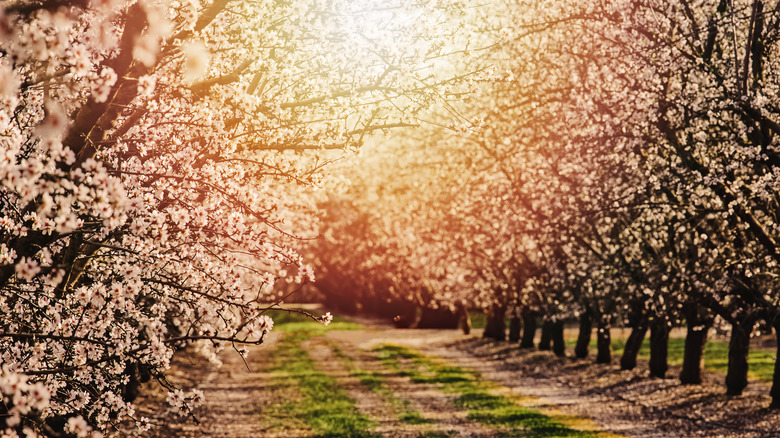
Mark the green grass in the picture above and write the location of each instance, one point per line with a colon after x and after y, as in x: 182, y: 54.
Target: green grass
x: 324, y: 407
x: 474, y: 395
x: 377, y: 383
x: 436, y: 434
x: 478, y: 320
x: 313, y: 400
x: 716, y: 356
x: 289, y: 322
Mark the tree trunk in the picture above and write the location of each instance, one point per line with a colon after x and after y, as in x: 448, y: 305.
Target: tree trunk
x: 495, y: 327
x: 582, y: 348
x: 775, y: 391
x: 739, y: 348
x: 695, y: 341
x: 558, y: 346
x: 514, y: 327
x: 603, y: 343
x: 529, y: 330
x: 464, y: 318
x: 659, y: 348
x: 465, y: 323
x: 633, y: 345
x: 130, y: 390
x: 546, y: 339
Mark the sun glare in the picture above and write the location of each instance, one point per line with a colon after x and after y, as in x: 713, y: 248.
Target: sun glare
x: 380, y: 23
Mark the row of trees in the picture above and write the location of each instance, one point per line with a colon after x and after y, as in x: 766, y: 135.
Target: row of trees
x: 621, y: 167
x: 155, y: 165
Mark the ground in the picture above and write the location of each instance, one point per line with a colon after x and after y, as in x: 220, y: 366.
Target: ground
x: 373, y: 380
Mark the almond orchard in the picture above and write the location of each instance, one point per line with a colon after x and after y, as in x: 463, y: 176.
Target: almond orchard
x: 173, y: 170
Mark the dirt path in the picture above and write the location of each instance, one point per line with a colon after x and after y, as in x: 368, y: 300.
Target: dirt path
x: 623, y: 402
x: 626, y: 403
x: 234, y: 396
x: 434, y: 407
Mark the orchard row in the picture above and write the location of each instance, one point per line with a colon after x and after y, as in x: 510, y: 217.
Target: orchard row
x: 156, y: 164
x: 623, y: 169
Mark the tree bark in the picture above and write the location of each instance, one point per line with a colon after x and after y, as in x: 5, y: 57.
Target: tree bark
x: 695, y: 341
x: 514, y: 327
x: 465, y: 324
x: 495, y: 327
x: 546, y: 339
x: 529, y: 330
x: 775, y: 391
x: 633, y: 345
x: 659, y: 348
x: 464, y: 318
x: 603, y: 343
x: 558, y: 345
x: 739, y: 348
x: 693, y: 357
x: 582, y: 348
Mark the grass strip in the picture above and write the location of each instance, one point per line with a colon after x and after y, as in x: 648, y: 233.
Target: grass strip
x: 377, y: 383
x: 474, y: 394
x: 716, y: 356
x: 289, y: 322
x: 323, y: 406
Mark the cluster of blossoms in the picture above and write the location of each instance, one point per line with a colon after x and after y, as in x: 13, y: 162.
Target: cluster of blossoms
x: 21, y: 398
x: 152, y: 182
x: 181, y: 402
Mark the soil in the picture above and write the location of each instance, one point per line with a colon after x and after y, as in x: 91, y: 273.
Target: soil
x: 234, y: 397
x: 629, y: 403
x: 625, y: 403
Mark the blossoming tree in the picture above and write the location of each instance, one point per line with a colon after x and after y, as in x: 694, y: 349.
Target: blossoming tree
x: 152, y: 154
